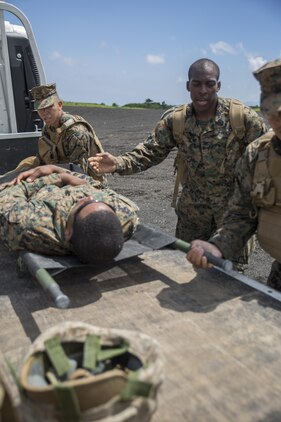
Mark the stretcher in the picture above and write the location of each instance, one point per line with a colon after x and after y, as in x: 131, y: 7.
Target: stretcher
x: 43, y: 267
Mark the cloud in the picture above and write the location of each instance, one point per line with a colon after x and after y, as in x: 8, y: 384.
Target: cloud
x: 153, y: 59
x: 103, y: 44
x: 69, y: 61
x: 255, y: 61
x: 222, y: 47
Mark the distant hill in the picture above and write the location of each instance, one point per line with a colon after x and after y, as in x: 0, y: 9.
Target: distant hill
x: 147, y: 105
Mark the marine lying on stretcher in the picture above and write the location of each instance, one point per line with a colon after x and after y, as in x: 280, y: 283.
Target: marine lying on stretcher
x: 51, y: 210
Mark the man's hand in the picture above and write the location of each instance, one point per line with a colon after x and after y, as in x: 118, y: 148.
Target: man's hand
x: 195, y: 255
x: 70, y: 179
x: 103, y: 162
x: 35, y: 173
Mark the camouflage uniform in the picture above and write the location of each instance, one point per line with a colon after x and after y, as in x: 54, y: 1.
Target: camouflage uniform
x: 210, y: 151
x: 241, y: 219
x: 243, y: 216
x: 33, y: 215
x: 73, y: 141
x: 74, y: 145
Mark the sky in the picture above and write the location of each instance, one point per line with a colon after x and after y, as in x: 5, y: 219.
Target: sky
x: 124, y: 51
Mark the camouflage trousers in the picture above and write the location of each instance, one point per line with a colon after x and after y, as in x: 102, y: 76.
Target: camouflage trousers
x: 274, y: 278
x: 201, y: 224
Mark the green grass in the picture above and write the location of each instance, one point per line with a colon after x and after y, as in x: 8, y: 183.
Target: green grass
x: 77, y: 104
x: 148, y: 106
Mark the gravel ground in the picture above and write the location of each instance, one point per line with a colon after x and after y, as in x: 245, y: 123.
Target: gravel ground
x: 119, y: 131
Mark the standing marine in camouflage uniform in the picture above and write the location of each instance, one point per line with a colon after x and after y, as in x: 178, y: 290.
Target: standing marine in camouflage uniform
x: 40, y: 215
x: 256, y: 202
x: 65, y: 138
x: 209, y: 149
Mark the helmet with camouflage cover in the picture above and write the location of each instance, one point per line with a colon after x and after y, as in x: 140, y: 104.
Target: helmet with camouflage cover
x: 76, y: 371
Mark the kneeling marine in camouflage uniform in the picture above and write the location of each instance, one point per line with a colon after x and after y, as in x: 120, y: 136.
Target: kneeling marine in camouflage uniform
x: 65, y: 138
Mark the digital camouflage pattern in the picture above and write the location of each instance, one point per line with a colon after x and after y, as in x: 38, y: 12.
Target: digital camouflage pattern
x: 73, y: 144
x: 119, y: 392
x: 68, y: 143
x: 241, y: 218
x: 269, y: 77
x: 44, y: 96
x: 33, y: 215
x: 211, y: 152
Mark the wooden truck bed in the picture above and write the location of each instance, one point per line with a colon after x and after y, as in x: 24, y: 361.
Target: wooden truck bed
x: 221, y: 339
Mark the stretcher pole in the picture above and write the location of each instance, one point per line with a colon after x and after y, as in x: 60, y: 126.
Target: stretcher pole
x: 46, y: 281
x: 225, y: 264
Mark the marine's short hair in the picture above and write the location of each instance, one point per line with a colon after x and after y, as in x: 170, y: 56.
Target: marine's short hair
x: 97, y: 238
x: 201, y: 64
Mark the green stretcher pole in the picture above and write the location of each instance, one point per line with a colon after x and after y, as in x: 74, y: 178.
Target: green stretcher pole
x: 45, y: 280
x: 52, y: 288
x: 225, y: 264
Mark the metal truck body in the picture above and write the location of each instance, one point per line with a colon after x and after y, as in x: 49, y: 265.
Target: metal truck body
x: 20, y: 69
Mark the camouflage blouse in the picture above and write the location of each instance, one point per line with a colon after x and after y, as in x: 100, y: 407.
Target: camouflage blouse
x: 73, y: 144
x: 209, y: 150
x: 241, y: 219
x: 33, y: 215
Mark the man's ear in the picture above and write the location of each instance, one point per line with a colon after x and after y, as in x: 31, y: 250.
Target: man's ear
x: 218, y: 86
x: 68, y: 233
x: 187, y: 86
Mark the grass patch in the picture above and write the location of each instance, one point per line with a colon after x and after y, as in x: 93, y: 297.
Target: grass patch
x: 149, y: 106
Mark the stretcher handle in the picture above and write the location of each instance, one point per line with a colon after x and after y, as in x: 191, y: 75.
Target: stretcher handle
x: 52, y: 288
x: 225, y: 264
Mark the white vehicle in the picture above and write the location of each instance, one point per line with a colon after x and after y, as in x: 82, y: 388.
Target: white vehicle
x: 20, y: 70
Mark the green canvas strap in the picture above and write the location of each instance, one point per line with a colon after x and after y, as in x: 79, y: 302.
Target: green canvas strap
x: 112, y: 353
x: 135, y: 387
x: 91, y: 351
x: 57, y: 356
x: 94, y: 353
x: 236, y: 116
x: 67, y: 400
x: 68, y: 403
x: 179, y: 115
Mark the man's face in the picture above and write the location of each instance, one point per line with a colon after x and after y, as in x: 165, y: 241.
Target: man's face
x: 51, y: 115
x: 203, y: 87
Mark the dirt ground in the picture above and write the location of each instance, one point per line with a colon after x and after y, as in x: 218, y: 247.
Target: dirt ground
x: 120, y: 130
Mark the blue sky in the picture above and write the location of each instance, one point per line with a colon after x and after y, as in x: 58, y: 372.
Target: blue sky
x: 127, y: 51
